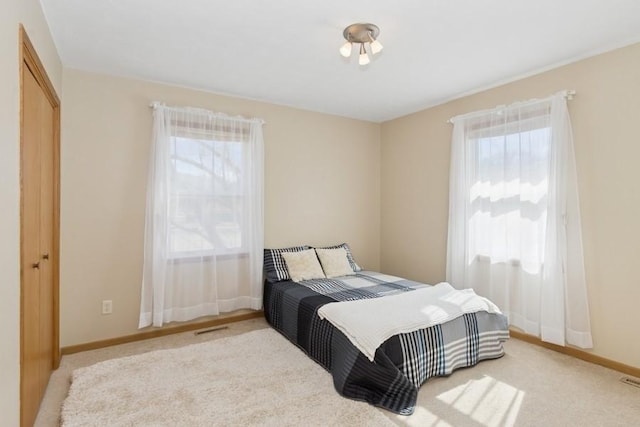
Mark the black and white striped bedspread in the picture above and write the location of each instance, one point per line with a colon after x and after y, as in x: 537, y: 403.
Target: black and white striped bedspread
x: 403, y: 362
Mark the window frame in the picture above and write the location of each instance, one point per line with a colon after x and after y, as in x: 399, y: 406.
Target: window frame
x: 201, y: 133
x: 486, y: 130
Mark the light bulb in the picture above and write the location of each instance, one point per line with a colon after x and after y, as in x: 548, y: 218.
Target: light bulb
x: 345, y: 50
x: 363, y: 59
x: 376, y: 46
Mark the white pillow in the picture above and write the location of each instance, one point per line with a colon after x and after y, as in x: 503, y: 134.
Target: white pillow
x: 335, y: 262
x: 303, y: 265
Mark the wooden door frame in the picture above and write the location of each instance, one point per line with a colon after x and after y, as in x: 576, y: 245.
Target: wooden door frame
x: 29, y: 58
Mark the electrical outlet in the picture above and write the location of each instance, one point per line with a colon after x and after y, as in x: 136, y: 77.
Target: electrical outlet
x: 107, y: 306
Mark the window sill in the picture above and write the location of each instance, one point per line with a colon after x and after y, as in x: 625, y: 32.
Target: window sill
x: 487, y: 260
x: 200, y: 257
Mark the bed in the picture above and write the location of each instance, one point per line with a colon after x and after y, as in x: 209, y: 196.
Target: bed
x: 400, y: 364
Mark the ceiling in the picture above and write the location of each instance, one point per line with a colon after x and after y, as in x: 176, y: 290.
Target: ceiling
x: 286, y: 51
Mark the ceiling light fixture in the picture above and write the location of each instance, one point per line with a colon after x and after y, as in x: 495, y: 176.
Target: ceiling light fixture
x: 361, y: 33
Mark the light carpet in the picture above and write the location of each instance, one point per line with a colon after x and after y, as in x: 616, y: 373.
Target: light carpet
x: 257, y: 378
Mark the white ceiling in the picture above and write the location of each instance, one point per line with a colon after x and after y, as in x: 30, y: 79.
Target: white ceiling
x: 286, y: 51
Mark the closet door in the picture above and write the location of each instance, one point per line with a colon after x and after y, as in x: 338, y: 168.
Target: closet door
x: 38, y: 233
x: 46, y: 316
x: 32, y: 363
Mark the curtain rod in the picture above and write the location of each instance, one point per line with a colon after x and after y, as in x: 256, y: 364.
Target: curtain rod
x: 157, y: 104
x: 568, y: 94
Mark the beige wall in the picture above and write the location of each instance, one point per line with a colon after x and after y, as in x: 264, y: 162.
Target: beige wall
x: 28, y: 13
x: 604, y: 114
x: 322, y: 186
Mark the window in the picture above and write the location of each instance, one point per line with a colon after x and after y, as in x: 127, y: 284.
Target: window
x: 206, y: 202
x: 514, y: 221
x: 509, y: 176
x: 204, y: 225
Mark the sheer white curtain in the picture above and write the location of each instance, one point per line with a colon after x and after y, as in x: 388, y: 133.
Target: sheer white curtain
x: 203, y: 243
x: 514, y: 222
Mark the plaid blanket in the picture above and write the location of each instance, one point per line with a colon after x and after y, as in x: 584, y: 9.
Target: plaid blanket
x: 403, y: 362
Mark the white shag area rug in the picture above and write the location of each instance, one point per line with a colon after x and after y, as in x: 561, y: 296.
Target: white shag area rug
x: 257, y: 378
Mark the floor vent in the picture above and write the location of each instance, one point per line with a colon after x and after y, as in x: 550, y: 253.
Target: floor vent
x: 206, y: 331
x: 631, y: 381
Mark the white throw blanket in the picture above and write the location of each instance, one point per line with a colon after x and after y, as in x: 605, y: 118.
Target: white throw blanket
x: 370, y: 322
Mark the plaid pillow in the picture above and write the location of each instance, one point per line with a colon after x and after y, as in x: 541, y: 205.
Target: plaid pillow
x: 352, y: 262
x: 275, y: 268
